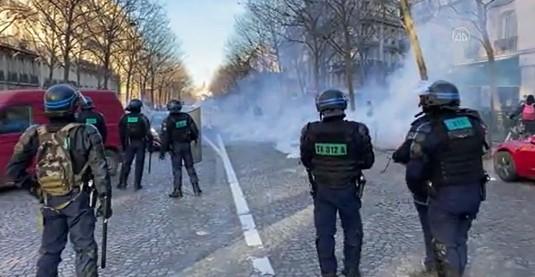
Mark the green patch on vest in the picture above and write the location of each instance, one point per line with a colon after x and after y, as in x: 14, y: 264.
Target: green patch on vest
x: 181, y: 124
x: 331, y: 149
x: 458, y: 123
x: 132, y: 119
x: 91, y: 120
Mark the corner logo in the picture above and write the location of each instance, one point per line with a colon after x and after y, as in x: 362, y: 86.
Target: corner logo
x: 460, y: 34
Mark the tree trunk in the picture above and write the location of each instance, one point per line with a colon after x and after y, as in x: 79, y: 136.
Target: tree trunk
x: 152, y: 81
x: 348, y: 59
x: 492, y: 73
x: 413, y: 36
x: 316, y: 72
x: 128, y: 80
x: 349, y: 79
x: 107, y: 58
x: 78, y: 74
x: 67, y: 59
x: 51, y: 67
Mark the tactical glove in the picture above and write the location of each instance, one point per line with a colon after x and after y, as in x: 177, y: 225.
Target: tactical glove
x: 162, y: 156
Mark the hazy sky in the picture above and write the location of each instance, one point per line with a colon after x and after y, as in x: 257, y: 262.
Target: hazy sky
x: 203, y: 27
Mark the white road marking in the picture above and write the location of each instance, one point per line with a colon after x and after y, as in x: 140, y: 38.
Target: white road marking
x: 261, y: 265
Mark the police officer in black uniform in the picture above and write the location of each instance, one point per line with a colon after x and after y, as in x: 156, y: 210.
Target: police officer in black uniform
x: 66, y: 207
x: 446, y: 161
x: 178, y: 131
x: 420, y: 196
x: 135, y: 135
x: 88, y: 115
x: 334, y: 152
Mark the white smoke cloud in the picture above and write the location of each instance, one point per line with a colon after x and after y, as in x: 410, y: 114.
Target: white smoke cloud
x: 282, y: 117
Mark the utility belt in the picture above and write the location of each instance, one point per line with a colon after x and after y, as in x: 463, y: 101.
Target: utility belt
x: 359, y: 182
x: 433, y: 189
x: 70, y: 197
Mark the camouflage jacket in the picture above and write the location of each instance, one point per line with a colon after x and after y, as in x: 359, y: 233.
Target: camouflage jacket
x: 87, y: 148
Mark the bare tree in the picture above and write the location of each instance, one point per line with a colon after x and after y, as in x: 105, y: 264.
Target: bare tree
x: 106, y: 25
x: 12, y: 12
x: 307, y: 23
x: 45, y: 37
x: 67, y: 19
x: 345, y: 20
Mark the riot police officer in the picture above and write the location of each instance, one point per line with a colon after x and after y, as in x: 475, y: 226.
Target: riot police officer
x: 446, y: 161
x: 420, y: 196
x: 135, y: 135
x: 88, y: 115
x: 334, y: 152
x: 64, y: 153
x: 178, y: 131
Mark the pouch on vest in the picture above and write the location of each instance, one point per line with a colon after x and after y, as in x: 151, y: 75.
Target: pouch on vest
x: 54, y: 168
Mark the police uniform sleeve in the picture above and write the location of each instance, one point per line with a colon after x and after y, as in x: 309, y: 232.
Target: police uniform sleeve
x: 305, y: 147
x: 122, y: 132
x: 402, y: 154
x: 165, y: 136
x: 24, y: 152
x: 97, y: 161
x: 416, y: 174
x: 366, y: 147
x: 147, y: 127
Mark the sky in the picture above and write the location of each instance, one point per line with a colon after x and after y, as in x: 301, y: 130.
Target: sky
x: 203, y: 27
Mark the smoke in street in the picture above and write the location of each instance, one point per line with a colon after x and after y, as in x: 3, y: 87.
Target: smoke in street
x: 262, y: 110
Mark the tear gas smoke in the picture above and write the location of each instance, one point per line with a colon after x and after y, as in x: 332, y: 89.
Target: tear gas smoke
x: 261, y: 112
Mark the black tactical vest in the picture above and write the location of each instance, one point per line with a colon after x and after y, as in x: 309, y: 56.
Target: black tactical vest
x: 458, y: 160
x: 334, y: 159
x: 179, y: 125
x: 135, y: 126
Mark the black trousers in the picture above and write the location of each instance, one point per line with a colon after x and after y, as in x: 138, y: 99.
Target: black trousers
x: 181, y: 155
x: 136, y: 149
x: 77, y: 221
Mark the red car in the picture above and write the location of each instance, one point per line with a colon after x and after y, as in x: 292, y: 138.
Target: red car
x: 22, y: 108
x: 515, y: 159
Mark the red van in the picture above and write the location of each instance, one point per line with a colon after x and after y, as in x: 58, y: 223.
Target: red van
x: 22, y: 108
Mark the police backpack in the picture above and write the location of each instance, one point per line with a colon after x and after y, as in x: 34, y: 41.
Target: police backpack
x: 54, y: 170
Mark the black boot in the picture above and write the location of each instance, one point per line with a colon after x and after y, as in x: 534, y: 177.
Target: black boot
x: 138, y: 187
x: 177, y: 193
x: 174, y: 194
x: 353, y: 272
x: 196, y: 189
x: 122, y: 185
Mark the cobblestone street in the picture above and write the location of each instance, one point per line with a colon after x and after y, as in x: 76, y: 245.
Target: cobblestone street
x: 153, y: 235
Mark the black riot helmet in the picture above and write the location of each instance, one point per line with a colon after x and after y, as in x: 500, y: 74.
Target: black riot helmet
x: 331, y: 103
x: 174, y: 106
x: 134, y: 106
x: 440, y: 94
x: 88, y: 104
x: 61, y: 100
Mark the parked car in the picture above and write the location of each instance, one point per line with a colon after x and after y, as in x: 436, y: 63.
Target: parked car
x: 515, y: 159
x: 21, y: 108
